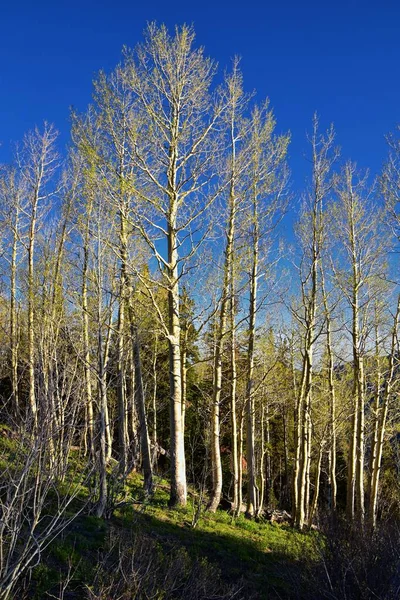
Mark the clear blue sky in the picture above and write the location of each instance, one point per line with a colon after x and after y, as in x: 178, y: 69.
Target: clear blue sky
x: 339, y: 58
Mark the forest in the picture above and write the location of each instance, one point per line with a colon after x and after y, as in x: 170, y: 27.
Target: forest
x: 200, y: 365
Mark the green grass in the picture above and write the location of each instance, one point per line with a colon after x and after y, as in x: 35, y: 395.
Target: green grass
x: 265, y: 558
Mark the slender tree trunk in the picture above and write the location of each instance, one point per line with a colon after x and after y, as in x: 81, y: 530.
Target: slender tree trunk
x: 298, y: 424
x: 386, y: 397
x: 355, y: 499
x: 308, y: 472
x: 141, y: 408
x: 317, y: 483
x: 252, y: 493
x: 263, y: 452
x: 332, y: 397
x: 14, y: 317
x: 178, y: 494
x: 376, y: 405
x: 235, y: 92
x: 305, y: 392
x: 109, y: 433
x: 301, y: 510
x: 31, y: 301
x: 122, y: 404
x: 184, y: 372
x: 89, y: 425
x: 102, y: 385
x: 216, y: 465
x: 286, y: 494
x: 121, y: 390
x: 234, y: 435
x: 240, y: 461
x: 133, y: 425
x: 154, y: 403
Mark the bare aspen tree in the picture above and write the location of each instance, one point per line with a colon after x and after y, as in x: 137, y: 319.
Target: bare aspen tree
x: 332, y: 393
x: 38, y: 162
x: 356, y: 229
x: 85, y: 165
x: 114, y: 101
x: 311, y: 236
x: 240, y: 457
x: 104, y: 284
x: 89, y: 434
x: 97, y: 295
x: 382, y: 415
x: 12, y: 194
x: 236, y: 502
x: 266, y: 181
x: 53, y: 319
x: 105, y: 138
x: 387, y: 367
x: 314, y: 503
x: 377, y: 378
x: 154, y: 401
x: 236, y: 102
x: 174, y: 154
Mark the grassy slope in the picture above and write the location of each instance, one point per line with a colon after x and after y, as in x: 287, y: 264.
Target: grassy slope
x: 265, y: 559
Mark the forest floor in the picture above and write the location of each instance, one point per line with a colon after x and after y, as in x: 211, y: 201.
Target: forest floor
x: 144, y: 550
x: 147, y: 550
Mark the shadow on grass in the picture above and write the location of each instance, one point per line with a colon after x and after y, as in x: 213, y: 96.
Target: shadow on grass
x: 267, y: 560
x: 262, y: 560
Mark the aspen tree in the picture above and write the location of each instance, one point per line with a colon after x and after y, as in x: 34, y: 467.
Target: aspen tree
x: 311, y: 236
x: 38, y: 162
x: 12, y: 194
x: 109, y: 142
x: 154, y: 400
x: 265, y: 187
x: 236, y: 103
x: 83, y: 132
x: 387, y: 397
x: 378, y: 378
x: 104, y: 284
x: 332, y: 392
x: 236, y: 503
x: 174, y: 154
x: 53, y: 320
x: 89, y: 414
x: 360, y: 253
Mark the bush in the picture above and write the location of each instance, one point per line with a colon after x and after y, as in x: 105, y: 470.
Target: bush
x: 356, y: 563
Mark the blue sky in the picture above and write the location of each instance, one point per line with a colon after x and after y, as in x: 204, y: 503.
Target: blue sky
x: 339, y: 58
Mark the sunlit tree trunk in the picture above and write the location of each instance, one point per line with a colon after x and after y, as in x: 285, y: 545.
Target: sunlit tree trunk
x: 123, y: 436
x: 384, y: 408
x: 252, y: 494
x: 332, y: 396
x: 311, y: 235
x: 154, y: 402
x: 234, y: 434
x: 234, y: 94
x: 316, y: 484
x: 14, y: 334
x: 89, y: 424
